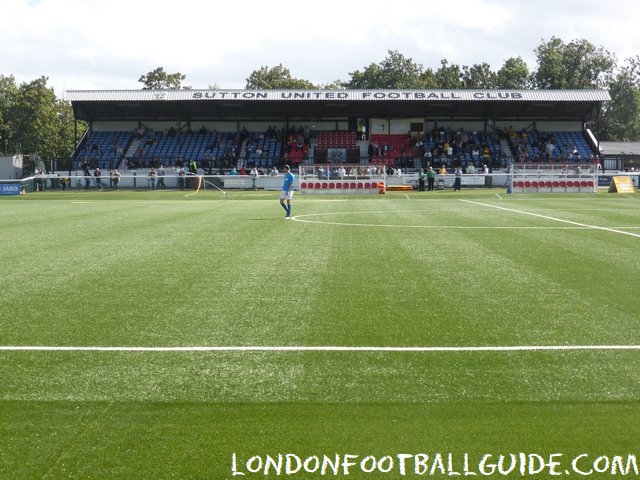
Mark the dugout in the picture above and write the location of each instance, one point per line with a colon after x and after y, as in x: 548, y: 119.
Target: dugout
x: 386, y: 115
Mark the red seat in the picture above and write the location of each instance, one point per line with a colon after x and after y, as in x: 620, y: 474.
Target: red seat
x: 555, y: 184
x: 303, y: 185
x: 317, y: 185
x: 527, y: 184
x: 367, y: 185
x: 339, y: 185
x: 352, y: 185
x: 332, y: 185
x: 324, y: 185
x: 534, y: 184
x: 547, y: 184
x: 563, y: 183
x: 360, y: 185
x: 583, y: 183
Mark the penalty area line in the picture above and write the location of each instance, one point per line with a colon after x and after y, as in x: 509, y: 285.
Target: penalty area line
x: 302, y: 348
x: 555, y: 219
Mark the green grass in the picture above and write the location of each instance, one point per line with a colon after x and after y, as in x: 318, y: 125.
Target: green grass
x: 477, y: 268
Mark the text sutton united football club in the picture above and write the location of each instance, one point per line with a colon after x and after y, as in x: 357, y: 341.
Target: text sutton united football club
x: 363, y: 95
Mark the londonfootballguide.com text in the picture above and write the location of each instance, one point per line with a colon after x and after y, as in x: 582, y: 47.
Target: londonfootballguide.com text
x: 422, y: 464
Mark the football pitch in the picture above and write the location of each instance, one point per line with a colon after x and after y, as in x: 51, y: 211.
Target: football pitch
x: 151, y: 335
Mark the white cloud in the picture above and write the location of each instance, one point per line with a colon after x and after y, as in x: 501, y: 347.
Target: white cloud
x: 92, y: 44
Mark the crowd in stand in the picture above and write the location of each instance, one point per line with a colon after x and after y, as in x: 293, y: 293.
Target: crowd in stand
x: 439, y: 146
x: 541, y: 147
x: 220, y: 152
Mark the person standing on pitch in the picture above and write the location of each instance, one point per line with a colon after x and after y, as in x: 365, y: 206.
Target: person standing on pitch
x: 421, y: 177
x: 287, y: 191
x: 161, y: 173
x: 431, y: 178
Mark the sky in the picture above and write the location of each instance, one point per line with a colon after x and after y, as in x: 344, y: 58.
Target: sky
x: 105, y: 45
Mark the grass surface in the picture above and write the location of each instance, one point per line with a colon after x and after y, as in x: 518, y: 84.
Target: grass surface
x: 477, y: 268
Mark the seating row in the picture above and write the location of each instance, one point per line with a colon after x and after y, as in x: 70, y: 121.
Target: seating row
x: 553, y: 184
x: 337, y: 139
x: 340, y: 185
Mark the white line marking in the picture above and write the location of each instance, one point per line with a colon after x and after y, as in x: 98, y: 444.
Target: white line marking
x: 302, y: 348
x: 546, y: 217
x: 304, y: 218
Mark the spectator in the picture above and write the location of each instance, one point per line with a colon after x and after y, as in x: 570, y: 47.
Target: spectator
x: 115, y: 179
x: 254, y: 176
x: 486, y: 154
x: 87, y: 175
x: 457, y: 183
x: 65, y: 182
x: 152, y: 178
x: 98, y: 174
x: 181, y: 178
x: 431, y: 177
x: 39, y: 180
x: 161, y: 174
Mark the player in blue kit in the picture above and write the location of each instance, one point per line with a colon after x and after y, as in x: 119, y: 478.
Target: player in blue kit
x: 287, y: 191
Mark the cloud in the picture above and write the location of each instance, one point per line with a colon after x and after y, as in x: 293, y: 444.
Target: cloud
x: 92, y: 44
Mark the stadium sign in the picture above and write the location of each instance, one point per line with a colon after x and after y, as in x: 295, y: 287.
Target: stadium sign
x: 356, y: 95
x: 360, y: 95
x: 9, y: 189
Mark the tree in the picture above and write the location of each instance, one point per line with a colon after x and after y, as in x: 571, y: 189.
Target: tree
x: 394, y: 72
x: 276, y: 78
x: 41, y: 124
x: 335, y: 85
x: 449, y: 76
x: 34, y: 121
x: 479, y: 76
x: 621, y: 117
x: 429, y: 79
x: 158, y: 79
x: 8, y: 97
x: 514, y: 74
x: 576, y: 65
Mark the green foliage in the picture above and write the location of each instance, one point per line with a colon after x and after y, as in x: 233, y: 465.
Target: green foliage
x: 34, y: 121
x: 576, y: 65
x: 621, y: 119
x: 276, y: 78
x: 449, y: 76
x: 479, y: 76
x: 158, y: 79
x: 514, y: 73
x: 394, y: 72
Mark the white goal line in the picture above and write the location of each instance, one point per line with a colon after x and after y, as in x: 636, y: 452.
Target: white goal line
x: 301, y: 348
